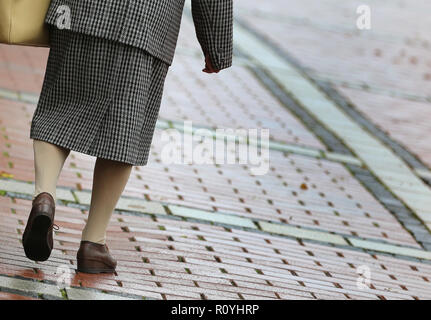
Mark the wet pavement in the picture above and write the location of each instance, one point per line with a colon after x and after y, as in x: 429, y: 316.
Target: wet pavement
x: 343, y: 212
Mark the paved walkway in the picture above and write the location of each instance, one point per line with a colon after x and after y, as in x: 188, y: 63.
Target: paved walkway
x: 346, y: 198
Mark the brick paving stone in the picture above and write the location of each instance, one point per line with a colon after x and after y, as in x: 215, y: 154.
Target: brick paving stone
x: 64, y: 194
x: 28, y: 189
x: 378, y: 157
x: 234, y: 260
x: 80, y: 294
x: 160, y: 183
x: 384, y: 69
x: 33, y: 287
x: 188, y: 93
x: 18, y: 187
x: 302, y: 233
x: 166, y: 256
x: 140, y: 206
x: 215, y: 217
x: 83, y: 197
x: 393, y: 249
x: 295, y: 149
x: 22, y: 68
x: 392, y: 55
x: 8, y: 94
x: 343, y: 158
x: 406, y: 125
x: 11, y: 296
x: 293, y: 170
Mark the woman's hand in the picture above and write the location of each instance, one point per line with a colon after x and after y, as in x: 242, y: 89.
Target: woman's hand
x: 208, y: 65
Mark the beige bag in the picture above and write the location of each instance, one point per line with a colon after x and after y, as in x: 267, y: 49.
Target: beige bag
x: 23, y: 22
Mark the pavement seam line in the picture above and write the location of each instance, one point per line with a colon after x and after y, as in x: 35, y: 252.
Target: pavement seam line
x: 273, y: 145
x: 307, y: 92
x: 406, y: 217
x: 342, y: 102
x: 47, y: 289
x: 271, y: 227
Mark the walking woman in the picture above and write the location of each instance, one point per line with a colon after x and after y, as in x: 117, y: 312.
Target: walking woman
x: 101, y: 96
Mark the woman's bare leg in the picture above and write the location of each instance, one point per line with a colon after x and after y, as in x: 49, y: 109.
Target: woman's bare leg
x: 48, y: 163
x: 109, y: 180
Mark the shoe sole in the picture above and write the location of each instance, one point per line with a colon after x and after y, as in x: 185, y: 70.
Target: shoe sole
x: 36, y: 246
x: 93, y: 267
x: 95, y: 271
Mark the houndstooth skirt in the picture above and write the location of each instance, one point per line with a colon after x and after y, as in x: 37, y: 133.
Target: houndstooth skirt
x: 99, y: 97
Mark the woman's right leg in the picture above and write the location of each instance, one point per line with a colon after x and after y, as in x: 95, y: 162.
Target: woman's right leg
x: 109, y: 180
x: 48, y: 163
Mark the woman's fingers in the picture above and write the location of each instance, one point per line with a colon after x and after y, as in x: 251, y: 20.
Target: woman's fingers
x: 208, y: 66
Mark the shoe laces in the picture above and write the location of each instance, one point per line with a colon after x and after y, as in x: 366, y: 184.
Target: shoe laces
x: 55, y: 227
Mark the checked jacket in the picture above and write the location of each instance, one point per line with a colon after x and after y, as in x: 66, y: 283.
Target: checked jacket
x: 152, y: 25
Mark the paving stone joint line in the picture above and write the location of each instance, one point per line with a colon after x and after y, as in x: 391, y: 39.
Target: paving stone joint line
x: 47, y: 289
x: 291, y: 101
x: 273, y: 145
x: 138, y: 207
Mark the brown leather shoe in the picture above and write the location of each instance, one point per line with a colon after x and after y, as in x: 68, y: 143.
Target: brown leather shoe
x: 37, y: 238
x: 95, y: 258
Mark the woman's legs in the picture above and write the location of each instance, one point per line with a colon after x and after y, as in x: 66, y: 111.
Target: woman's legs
x: 48, y: 162
x: 109, y: 180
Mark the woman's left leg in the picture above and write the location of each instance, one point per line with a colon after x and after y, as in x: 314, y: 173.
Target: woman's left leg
x: 37, y: 238
x: 109, y: 180
x: 48, y: 163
